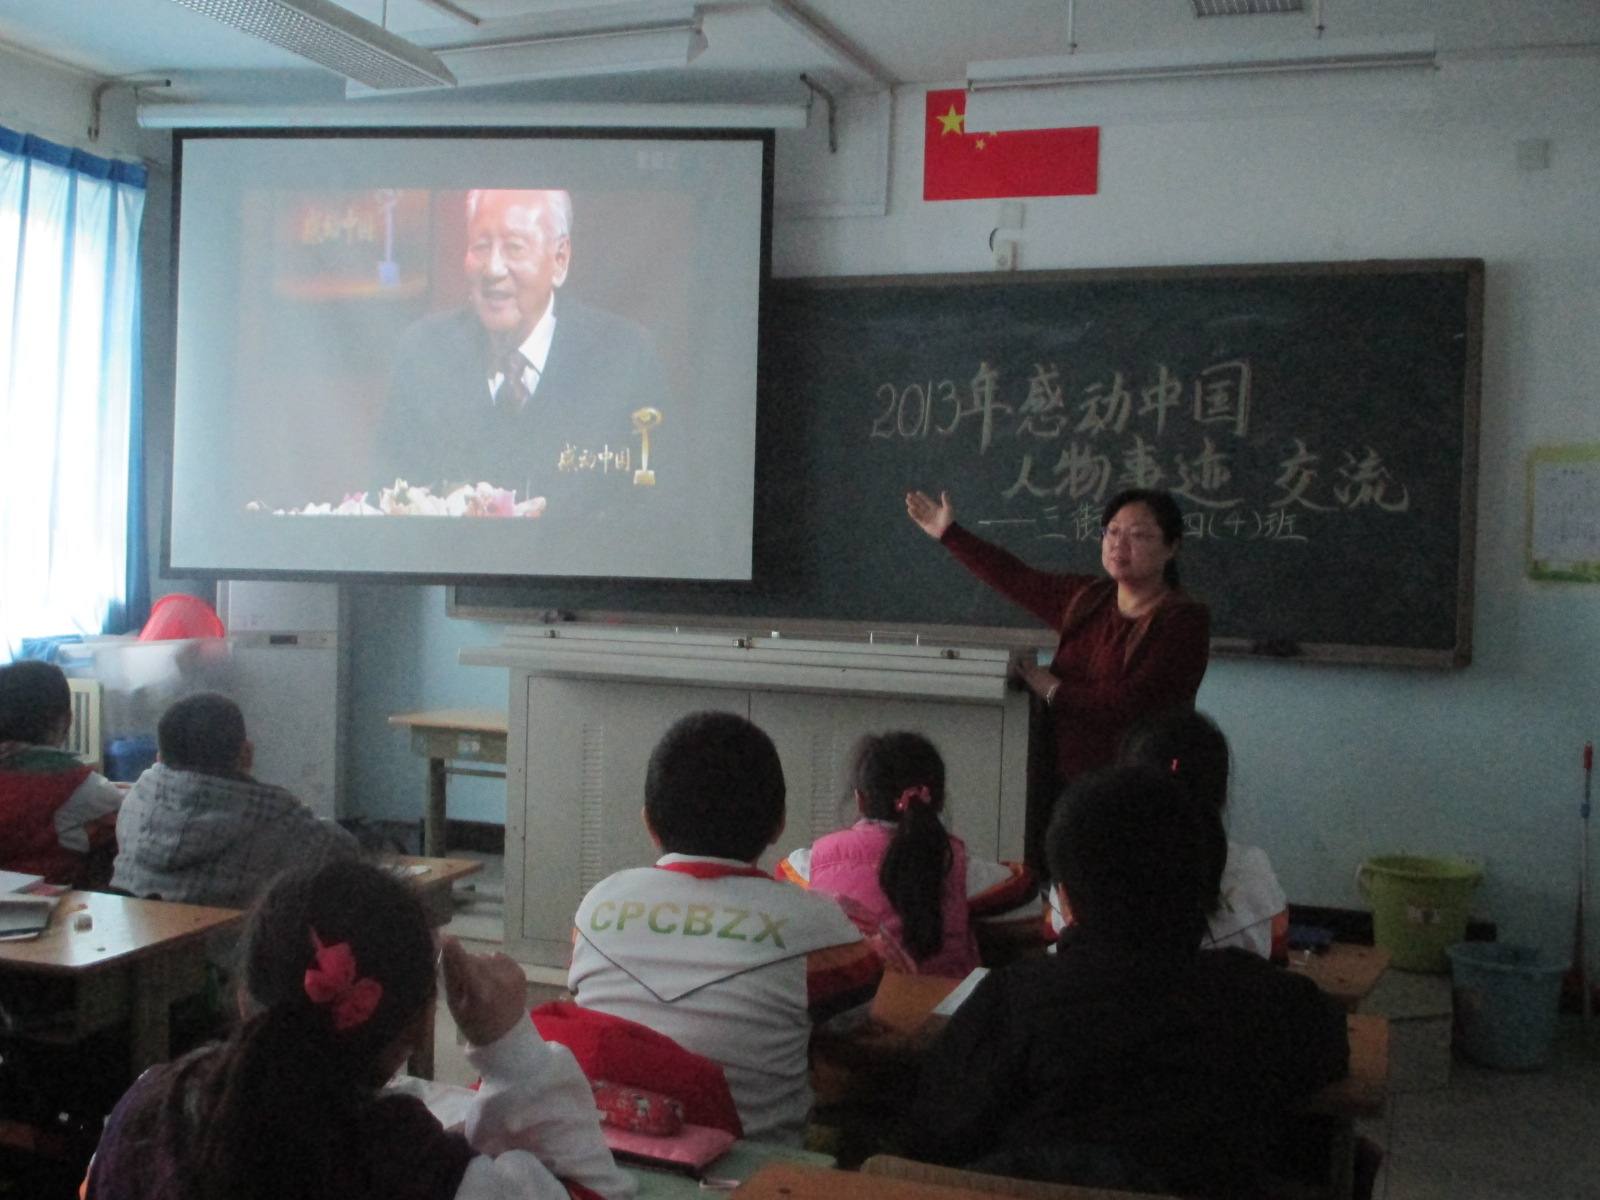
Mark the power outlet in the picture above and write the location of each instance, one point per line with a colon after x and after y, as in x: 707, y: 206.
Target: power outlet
x: 1005, y: 255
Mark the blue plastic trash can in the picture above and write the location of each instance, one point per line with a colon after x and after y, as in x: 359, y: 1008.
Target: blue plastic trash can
x: 1506, y: 999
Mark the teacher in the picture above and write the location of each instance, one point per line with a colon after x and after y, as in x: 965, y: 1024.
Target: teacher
x: 1131, y: 643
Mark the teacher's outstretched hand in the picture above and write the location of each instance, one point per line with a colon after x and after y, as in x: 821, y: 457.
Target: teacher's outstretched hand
x: 932, y: 517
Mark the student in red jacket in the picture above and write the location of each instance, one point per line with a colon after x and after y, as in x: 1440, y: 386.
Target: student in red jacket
x: 54, y: 810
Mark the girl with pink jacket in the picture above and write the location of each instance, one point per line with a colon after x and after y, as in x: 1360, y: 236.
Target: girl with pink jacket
x: 900, y: 873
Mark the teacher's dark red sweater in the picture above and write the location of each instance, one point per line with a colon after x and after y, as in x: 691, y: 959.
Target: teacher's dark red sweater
x: 1113, y: 669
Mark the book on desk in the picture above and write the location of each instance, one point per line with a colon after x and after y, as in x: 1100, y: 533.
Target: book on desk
x: 26, y: 904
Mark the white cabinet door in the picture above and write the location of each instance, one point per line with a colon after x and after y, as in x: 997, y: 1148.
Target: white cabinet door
x: 815, y: 735
x: 588, y: 743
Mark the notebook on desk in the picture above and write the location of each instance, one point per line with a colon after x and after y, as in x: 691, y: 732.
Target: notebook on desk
x: 26, y: 902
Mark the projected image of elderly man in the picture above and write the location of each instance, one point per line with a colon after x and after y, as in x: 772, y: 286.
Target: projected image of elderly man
x: 521, y: 386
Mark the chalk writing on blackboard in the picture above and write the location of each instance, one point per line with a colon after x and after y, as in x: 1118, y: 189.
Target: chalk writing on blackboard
x: 1074, y: 443
x: 1317, y: 420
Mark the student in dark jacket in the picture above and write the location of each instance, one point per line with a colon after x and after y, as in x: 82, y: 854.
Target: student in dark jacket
x: 1133, y: 1058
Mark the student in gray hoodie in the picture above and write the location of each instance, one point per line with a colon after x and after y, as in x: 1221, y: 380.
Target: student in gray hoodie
x: 198, y: 829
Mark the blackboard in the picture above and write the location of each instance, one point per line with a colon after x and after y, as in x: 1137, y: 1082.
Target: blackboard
x: 1317, y: 422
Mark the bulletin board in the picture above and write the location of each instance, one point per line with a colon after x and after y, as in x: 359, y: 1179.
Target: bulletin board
x: 1564, y: 514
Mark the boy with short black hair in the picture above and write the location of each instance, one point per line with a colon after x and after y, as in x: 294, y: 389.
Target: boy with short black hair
x: 199, y: 829
x: 707, y: 948
x: 1133, y: 1059
x: 55, y: 812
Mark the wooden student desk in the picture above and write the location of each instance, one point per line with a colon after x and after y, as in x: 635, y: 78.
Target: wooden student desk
x: 443, y: 736
x: 1345, y: 971
x: 434, y: 883
x: 798, y: 1181
x: 435, y: 880
x: 137, y: 959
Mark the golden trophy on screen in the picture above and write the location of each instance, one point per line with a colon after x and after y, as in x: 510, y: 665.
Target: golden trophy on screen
x: 644, y: 420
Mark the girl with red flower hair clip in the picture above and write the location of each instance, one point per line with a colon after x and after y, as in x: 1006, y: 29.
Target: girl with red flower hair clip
x: 337, y: 988
x: 906, y: 880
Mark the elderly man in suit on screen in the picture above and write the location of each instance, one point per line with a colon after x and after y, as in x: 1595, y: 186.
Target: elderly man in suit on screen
x: 521, y: 387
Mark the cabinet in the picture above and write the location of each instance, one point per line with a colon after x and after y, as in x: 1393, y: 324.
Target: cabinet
x: 587, y: 707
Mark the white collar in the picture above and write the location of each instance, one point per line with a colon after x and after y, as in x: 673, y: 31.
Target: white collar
x: 536, y: 346
x: 667, y: 859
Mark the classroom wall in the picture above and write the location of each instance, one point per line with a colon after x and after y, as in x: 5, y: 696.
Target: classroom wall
x: 1333, y: 763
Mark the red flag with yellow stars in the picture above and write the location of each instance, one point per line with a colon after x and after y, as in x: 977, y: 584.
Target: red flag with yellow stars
x: 962, y: 164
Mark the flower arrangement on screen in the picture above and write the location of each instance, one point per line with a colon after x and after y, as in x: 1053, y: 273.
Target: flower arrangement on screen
x: 404, y: 500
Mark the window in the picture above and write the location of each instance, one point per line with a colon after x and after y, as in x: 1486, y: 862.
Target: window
x: 69, y: 391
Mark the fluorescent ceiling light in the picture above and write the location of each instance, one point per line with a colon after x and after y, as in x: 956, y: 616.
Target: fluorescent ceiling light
x: 1327, y: 54
x: 411, y: 113
x: 614, y: 39
x: 335, y: 38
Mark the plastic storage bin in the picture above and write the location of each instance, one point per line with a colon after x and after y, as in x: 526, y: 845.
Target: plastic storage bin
x: 1419, y: 906
x: 1506, y: 999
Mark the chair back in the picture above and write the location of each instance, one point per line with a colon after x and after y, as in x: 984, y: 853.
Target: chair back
x: 83, y: 739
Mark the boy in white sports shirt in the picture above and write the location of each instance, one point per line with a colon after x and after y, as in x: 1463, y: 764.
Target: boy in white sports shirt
x: 707, y: 948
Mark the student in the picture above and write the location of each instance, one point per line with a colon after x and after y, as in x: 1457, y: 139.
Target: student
x: 1132, y: 1059
x: 1251, y: 911
x: 198, y: 829
x: 708, y: 949
x: 901, y: 870
x: 338, y: 987
x: 54, y: 811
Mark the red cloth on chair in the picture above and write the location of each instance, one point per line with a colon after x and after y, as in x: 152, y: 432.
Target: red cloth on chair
x: 633, y: 1055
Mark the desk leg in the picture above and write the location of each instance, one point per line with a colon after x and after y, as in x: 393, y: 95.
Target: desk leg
x: 1342, y: 1162
x: 151, y: 1013
x: 433, y: 815
x: 421, y: 1061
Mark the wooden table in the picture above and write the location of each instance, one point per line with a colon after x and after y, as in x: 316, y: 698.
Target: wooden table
x: 1361, y: 1093
x: 796, y: 1181
x: 132, y: 964
x: 1345, y: 971
x: 443, y: 736
x: 434, y: 881
x: 1364, y: 1091
x: 742, y: 1160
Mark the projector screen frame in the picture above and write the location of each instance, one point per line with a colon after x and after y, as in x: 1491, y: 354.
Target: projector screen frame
x: 764, y: 138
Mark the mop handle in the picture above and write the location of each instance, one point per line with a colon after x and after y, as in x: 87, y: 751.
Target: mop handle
x: 1588, y: 771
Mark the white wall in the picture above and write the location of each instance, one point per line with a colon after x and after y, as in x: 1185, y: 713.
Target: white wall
x: 1333, y: 764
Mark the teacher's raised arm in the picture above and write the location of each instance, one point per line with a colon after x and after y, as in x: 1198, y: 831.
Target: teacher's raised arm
x: 1130, y: 641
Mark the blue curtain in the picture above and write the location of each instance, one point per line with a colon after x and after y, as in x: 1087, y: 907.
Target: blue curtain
x: 72, y: 555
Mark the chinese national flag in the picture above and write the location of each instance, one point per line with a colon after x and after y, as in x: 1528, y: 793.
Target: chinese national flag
x: 961, y: 165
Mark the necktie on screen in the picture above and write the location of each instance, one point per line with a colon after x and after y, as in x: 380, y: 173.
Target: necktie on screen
x: 513, y: 391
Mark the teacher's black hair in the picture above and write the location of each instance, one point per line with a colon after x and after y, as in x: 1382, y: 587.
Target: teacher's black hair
x: 913, y: 870
x: 1169, y: 517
